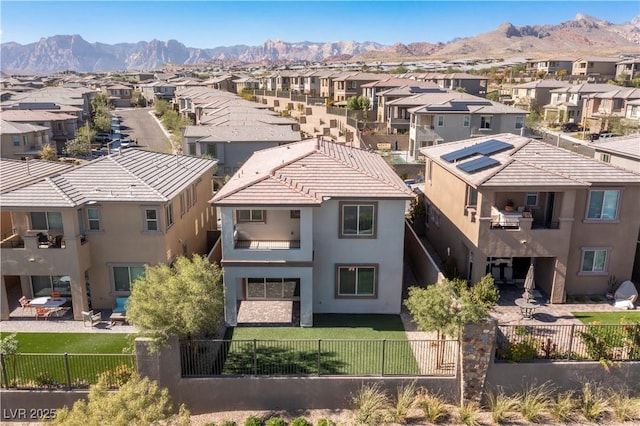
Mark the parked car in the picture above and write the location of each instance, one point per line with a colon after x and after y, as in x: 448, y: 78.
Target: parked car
x: 127, y: 143
x: 571, y: 127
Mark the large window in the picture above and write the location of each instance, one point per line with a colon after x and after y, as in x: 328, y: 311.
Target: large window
x: 124, y: 276
x: 603, y: 204
x: 440, y: 122
x: 251, y: 216
x: 151, y: 219
x: 519, y: 122
x: 358, y: 220
x: 356, y: 281
x: 466, y: 120
x: 51, y: 221
x: 93, y: 217
x: 594, y: 260
x: 485, y: 122
x: 43, y: 285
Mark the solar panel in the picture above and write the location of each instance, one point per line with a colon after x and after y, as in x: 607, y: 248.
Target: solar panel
x: 459, y: 154
x: 478, y: 164
x: 492, y: 146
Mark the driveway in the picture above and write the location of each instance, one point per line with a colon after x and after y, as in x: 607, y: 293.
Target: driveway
x: 144, y: 128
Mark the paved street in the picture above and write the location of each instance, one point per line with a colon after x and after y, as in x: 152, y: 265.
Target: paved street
x: 140, y: 125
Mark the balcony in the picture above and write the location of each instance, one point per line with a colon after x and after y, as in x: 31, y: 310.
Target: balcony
x: 266, y: 244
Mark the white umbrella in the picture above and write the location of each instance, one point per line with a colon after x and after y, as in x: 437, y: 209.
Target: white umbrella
x: 529, y: 285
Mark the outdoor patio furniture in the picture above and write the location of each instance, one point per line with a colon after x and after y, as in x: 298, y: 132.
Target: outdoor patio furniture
x: 57, y: 242
x: 91, y: 318
x: 43, y: 312
x: 25, y: 303
x: 55, y: 294
x: 119, y: 313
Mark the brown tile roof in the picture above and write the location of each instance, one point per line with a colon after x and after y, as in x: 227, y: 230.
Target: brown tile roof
x: 17, y: 173
x: 34, y: 115
x: 303, y: 173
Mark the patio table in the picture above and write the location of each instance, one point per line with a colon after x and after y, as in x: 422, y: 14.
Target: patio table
x: 51, y: 303
x: 527, y: 307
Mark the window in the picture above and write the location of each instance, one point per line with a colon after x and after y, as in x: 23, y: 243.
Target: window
x: 43, y: 285
x: 429, y: 170
x: 294, y: 214
x: 606, y: 158
x: 210, y: 150
x: 194, y: 192
x: 440, y: 122
x: 192, y: 148
x: 472, y: 196
x: 603, y: 204
x: 93, y: 217
x: 251, y: 216
x: 168, y: 210
x: 46, y: 220
x: 357, y: 220
x: 519, y: 122
x: 182, y: 208
x: 124, y: 276
x: 531, y: 199
x: 485, y: 122
x: 356, y: 281
x: 188, y: 200
x: 594, y: 260
x: 16, y: 140
x: 151, y: 219
x: 466, y: 120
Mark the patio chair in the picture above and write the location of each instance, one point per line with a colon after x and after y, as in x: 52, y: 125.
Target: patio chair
x: 91, y: 318
x: 55, y: 294
x: 25, y: 303
x: 57, y: 242
x: 43, y: 239
x: 43, y: 312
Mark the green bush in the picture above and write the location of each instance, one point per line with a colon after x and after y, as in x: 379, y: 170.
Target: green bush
x: 45, y: 380
x: 253, y: 421
x: 325, y: 422
x: 228, y: 423
x: 300, y: 421
x: 275, y: 421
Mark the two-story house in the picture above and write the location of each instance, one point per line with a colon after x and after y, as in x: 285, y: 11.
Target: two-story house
x: 595, y: 66
x: 630, y: 68
x: 119, y: 95
x: 61, y: 127
x: 88, y: 231
x: 499, y: 203
x: 601, y: 109
x: 621, y: 151
x: 566, y: 102
x: 550, y: 66
x: 22, y: 140
x: 350, y: 84
x: 534, y: 95
x: 316, y: 222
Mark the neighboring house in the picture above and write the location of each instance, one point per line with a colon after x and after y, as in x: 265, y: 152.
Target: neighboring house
x: 317, y: 222
x: 452, y: 116
x: 223, y: 82
x: 22, y: 140
x: 602, y: 109
x: 534, y: 95
x: 232, y: 145
x: 623, y: 151
x: 632, y: 111
x: 409, y: 89
x: 468, y: 83
x: 312, y: 81
x: 157, y: 90
x: 566, y: 102
x: 551, y: 66
x: 67, y: 100
x: 576, y: 219
x: 62, y: 127
x: 248, y: 83
x: 119, y: 95
x: 595, y: 66
x: 108, y: 219
x: 375, y: 88
x: 630, y: 68
x: 350, y: 84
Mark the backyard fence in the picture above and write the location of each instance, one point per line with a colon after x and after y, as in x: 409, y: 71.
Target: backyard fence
x: 67, y: 371
x: 576, y: 342
x: 206, y: 358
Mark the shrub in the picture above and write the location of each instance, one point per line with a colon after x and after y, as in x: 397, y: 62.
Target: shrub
x: 300, y: 421
x: 486, y: 292
x: 325, y: 422
x: 45, y: 380
x: 228, y: 423
x: 624, y: 407
x: 275, y: 421
x: 433, y: 408
x: 563, y: 406
x: 535, y: 401
x: 405, y: 396
x: 501, y: 406
x: 118, y: 376
x: 369, y: 403
x: 593, y: 402
x: 469, y: 413
x: 253, y: 421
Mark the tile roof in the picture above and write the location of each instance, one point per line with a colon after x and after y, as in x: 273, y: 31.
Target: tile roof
x: 34, y: 115
x: 625, y: 145
x: 11, y: 128
x: 532, y: 163
x: 243, y: 133
x: 133, y: 176
x: 542, y: 84
x: 17, y: 173
x: 303, y: 173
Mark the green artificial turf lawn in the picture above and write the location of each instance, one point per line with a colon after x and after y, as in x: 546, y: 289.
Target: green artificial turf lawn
x: 343, y: 357
x: 607, y: 317
x: 73, y: 343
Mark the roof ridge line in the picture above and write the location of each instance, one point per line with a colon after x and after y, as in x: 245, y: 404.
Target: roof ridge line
x: 138, y: 179
x: 54, y: 185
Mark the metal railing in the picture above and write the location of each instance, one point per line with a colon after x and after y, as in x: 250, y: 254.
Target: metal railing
x: 575, y: 342
x: 206, y: 358
x: 68, y: 371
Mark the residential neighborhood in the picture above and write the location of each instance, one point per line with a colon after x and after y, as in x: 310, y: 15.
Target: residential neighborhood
x: 458, y: 231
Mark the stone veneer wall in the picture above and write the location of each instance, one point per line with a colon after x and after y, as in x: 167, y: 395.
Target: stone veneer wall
x: 477, y: 347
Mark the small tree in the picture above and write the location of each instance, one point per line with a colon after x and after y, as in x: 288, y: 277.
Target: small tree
x: 162, y: 107
x: 48, y: 153
x: 140, y: 401
x: 191, y: 295
x: 77, y: 148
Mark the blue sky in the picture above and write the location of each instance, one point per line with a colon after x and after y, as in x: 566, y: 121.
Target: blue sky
x: 207, y: 24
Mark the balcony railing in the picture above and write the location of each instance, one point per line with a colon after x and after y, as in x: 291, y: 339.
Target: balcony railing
x: 267, y: 244
x: 14, y: 241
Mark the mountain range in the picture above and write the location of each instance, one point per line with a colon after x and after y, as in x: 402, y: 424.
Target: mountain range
x: 584, y: 35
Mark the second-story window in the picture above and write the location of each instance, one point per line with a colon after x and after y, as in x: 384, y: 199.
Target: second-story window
x: 151, y: 219
x: 93, y: 217
x: 46, y: 221
x: 603, y: 204
x: 440, y: 121
x: 16, y: 140
x: 358, y: 220
x: 472, y: 196
x: 485, y: 122
x: 466, y: 120
x: 182, y: 207
x: 251, y: 216
x: 168, y: 210
x: 519, y: 122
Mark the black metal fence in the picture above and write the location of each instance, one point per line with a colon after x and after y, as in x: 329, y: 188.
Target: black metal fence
x: 576, y: 342
x: 205, y: 358
x: 69, y: 371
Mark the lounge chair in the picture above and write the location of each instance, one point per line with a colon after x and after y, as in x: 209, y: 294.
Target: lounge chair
x: 25, y: 303
x: 43, y: 312
x: 91, y: 318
